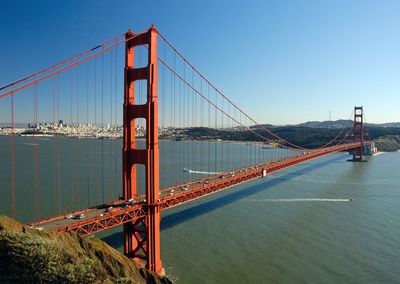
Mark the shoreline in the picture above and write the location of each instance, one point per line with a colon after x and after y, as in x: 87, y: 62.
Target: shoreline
x: 261, y: 144
x: 266, y: 146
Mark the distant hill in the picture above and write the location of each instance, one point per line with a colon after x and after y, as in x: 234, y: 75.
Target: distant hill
x: 327, y: 124
x: 342, y: 123
x: 390, y: 124
x: 308, y: 135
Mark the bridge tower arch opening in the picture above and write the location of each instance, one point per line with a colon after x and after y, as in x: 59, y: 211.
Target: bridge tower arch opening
x: 358, y: 132
x: 142, y: 237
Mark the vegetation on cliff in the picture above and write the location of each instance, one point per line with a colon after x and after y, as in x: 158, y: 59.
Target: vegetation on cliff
x: 388, y: 143
x: 32, y: 256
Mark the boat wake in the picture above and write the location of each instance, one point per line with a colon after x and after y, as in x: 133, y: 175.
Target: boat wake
x: 189, y: 171
x: 30, y: 144
x: 303, y: 200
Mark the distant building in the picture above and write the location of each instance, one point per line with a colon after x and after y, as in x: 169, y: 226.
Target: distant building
x: 370, y: 149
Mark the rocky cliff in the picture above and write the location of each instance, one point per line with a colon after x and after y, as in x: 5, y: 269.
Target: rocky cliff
x: 32, y: 256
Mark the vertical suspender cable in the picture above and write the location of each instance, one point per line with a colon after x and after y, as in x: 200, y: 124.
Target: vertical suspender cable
x: 184, y: 120
x: 36, y: 155
x: 174, y: 122
x: 202, y: 124
x: 115, y: 118
x: 72, y: 198
x: 170, y: 122
x: 95, y: 128
x: 77, y: 149
x: 58, y: 147
x: 209, y: 127
x: 87, y: 140
x: 216, y: 131
x: 110, y: 171
x: 54, y: 148
x: 163, y: 98
x: 14, y: 211
x: 193, y: 121
x: 222, y: 127
x: 102, y: 128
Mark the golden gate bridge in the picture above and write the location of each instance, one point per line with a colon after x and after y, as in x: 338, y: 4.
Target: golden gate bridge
x: 165, y: 97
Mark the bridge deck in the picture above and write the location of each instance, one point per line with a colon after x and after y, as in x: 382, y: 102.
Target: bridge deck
x: 103, y: 217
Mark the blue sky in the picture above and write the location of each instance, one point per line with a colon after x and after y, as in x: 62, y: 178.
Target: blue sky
x: 281, y: 61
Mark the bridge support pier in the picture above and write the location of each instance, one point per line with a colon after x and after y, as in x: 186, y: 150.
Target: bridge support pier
x: 358, y: 130
x: 142, y: 238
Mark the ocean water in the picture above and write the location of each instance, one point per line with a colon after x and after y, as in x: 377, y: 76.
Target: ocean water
x: 324, y: 221
x: 55, y: 175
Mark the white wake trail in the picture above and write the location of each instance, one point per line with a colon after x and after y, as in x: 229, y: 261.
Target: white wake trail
x: 302, y: 200
x: 189, y: 171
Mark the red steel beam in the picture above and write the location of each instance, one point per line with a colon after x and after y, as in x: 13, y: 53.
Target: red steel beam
x: 107, y: 221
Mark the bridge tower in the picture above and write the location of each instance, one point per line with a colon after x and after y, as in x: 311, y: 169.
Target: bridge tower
x: 358, y: 131
x: 142, y: 237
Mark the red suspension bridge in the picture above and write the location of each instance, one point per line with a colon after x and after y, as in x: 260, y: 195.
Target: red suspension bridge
x: 75, y: 184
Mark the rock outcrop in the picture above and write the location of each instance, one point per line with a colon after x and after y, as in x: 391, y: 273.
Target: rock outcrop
x: 32, y: 256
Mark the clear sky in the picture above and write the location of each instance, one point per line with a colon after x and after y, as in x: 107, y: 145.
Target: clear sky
x: 282, y: 61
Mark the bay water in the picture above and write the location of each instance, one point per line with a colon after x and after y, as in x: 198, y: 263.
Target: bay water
x: 324, y: 221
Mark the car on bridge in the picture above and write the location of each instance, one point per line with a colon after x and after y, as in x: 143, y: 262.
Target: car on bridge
x: 79, y: 216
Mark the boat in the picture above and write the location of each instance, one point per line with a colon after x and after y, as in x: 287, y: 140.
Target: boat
x: 267, y: 147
